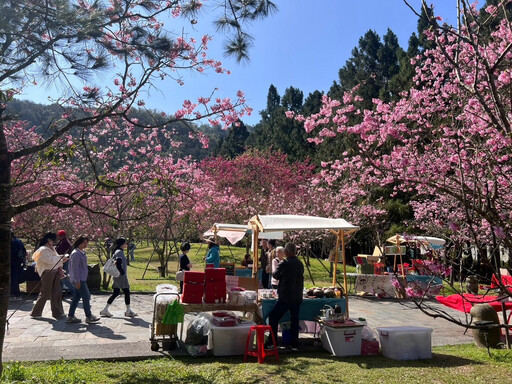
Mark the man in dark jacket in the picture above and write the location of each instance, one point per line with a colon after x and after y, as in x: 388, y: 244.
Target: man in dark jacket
x: 290, y: 274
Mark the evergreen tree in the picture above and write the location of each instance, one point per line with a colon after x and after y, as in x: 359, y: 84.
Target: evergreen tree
x: 234, y: 143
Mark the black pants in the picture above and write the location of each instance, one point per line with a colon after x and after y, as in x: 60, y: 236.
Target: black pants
x: 116, y: 293
x: 264, y: 278
x: 278, y: 311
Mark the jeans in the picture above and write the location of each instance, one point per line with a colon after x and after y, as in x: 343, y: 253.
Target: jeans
x: 278, y: 311
x: 85, y: 295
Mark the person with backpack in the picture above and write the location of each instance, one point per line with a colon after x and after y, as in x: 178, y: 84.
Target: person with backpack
x: 121, y: 282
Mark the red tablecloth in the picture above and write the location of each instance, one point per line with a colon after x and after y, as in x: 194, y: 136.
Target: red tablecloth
x: 505, y: 280
x: 465, y: 301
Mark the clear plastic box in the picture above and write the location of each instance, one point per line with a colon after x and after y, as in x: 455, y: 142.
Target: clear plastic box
x: 406, y: 343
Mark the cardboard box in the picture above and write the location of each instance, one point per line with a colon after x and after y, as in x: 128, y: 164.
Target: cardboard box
x: 215, y: 275
x: 215, y: 293
x: 192, y: 277
x: 192, y: 293
x: 166, y: 329
x: 406, y: 343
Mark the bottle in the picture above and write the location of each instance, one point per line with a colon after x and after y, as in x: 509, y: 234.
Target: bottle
x: 337, y: 309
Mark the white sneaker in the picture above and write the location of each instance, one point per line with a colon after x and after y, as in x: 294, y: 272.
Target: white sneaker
x: 105, y: 313
x: 130, y: 313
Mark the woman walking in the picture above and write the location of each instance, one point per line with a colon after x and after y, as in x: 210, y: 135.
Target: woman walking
x: 78, y: 272
x: 49, y: 267
x: 121, y: 282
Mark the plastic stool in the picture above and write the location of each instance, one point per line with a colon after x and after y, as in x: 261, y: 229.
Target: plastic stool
x: 260, y: 352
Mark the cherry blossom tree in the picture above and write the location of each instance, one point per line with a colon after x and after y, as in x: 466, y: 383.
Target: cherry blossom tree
x: 101, y: 59
x: 447, y: 140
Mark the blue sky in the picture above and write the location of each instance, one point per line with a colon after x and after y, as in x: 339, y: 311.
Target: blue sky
x: 303, y: 45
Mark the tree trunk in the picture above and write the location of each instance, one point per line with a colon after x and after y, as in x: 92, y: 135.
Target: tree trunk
x: 5, y: 236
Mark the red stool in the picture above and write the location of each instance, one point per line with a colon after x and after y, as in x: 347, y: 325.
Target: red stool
x: 260, y: 352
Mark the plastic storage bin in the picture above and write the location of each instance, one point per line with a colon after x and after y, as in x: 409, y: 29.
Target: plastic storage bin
x: 229, y: 341
x: 406, y: 343
x: 342, y: 341
x: 250, y: 297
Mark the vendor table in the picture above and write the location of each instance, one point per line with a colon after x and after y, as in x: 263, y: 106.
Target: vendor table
x: 381, y: 285
x: 464, y: 302
x: 309, y: 309
x: 205, y: 307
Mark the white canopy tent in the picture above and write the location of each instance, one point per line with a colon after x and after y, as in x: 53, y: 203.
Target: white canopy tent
x: 261, y: 224
x: 235, y: 232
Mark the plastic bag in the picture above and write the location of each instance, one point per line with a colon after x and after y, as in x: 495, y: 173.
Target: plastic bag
x: 198, y: 331
x: 367, y: 333
x: 111, y: 268
x: 174, y: 314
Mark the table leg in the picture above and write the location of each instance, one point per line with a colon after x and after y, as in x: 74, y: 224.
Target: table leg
x: 504, y: 310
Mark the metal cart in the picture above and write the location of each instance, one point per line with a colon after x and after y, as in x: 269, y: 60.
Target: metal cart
x: 161, y: 332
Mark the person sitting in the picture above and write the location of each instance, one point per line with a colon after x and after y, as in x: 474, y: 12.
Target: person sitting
x: 247, y: 260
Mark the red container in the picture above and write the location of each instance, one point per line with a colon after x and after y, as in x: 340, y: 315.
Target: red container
x: 193, y: 277
x: 369, y: 348
x: 215, y: 275
x: 192, y: 293
x: 223, y: 319
x: 215, y: 293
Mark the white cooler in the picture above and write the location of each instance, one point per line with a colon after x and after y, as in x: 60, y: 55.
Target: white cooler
x: 342, y: 341
x: 406, y: 343
x: 229, y: 341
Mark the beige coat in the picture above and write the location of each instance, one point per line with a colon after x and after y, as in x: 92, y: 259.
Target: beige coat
x: 46, y: 259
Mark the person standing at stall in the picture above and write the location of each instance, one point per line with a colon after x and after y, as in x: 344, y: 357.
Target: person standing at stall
x: 265, y: 276
x: 213, y: 255
x: 275, y: 263
x: 290, y: 273
x: 185, y: 264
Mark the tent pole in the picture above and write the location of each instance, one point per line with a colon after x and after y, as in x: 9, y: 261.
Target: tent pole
x: 345, y: 286
x: 335, y: 270
x: 255, y: 240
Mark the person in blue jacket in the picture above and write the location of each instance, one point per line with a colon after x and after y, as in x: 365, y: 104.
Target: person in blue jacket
x: 213, y: 255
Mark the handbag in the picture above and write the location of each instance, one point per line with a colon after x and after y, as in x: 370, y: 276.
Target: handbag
x: 111, y: 268
x: 180, y: 275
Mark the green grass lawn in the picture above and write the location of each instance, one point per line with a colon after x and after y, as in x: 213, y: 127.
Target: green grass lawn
x: 196, y: 254
x: 450, y: 364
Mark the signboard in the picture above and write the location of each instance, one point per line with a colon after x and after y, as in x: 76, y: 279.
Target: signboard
x: 393, y: 250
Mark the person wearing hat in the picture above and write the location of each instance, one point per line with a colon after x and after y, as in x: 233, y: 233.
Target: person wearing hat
x: 121, y: 282
x: 64, y: 247
x: 213, y: 255
x: 185, y: 264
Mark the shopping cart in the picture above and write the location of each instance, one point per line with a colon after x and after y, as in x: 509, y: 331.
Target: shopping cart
x: 167, y: 334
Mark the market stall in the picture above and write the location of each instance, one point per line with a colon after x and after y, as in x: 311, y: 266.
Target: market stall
x: 262, y: 224
x: 403, y: 284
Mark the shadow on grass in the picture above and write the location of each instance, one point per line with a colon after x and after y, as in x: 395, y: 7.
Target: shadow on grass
x: 304, y: 362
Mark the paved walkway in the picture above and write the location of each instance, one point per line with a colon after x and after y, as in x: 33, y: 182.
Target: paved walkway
x: 122, y: 338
